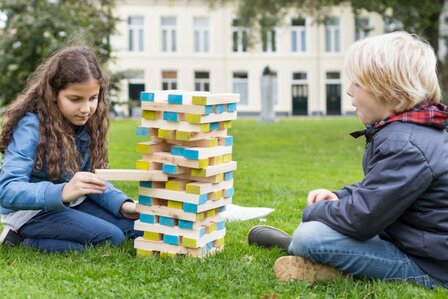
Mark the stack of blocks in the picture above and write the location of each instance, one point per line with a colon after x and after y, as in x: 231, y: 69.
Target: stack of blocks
x: 189, y: 144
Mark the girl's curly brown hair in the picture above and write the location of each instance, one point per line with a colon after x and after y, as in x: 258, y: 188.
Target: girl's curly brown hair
x: 57, y: 148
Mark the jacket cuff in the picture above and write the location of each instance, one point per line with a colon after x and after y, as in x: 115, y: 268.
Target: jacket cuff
x: 341, y: 193
x: 53, y: 197
x: 115, y: 204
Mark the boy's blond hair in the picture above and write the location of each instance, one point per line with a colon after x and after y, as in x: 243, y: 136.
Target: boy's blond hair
x: 398, y: 68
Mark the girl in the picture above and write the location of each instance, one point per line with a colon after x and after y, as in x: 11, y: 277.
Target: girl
x: 53, y: 136
x: 393, y: 225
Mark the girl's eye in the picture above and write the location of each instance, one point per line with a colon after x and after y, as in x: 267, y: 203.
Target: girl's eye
x: 74, y: 99
x: 93, y: 99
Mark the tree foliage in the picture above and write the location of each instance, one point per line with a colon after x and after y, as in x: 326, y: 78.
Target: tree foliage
x: 34, y: 29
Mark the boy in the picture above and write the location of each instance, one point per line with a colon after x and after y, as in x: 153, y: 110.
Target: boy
x: 393, y: 225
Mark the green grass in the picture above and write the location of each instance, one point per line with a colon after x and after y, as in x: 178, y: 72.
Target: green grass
x: 277, y: 165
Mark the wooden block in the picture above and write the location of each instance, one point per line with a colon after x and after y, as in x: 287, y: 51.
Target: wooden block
x: 172, y: 169
x: 142, y: 131
x: 150, y: 147
x: 181, y: 196
x: 171, y: 116
x: 227, y: 158
x: 142, y: 165
x: 180, y: 125
x: 219, y: 108
x: 197, y: 233
x: 219, y: 242
x: 146, y: 96
x: 196, y: 153
x: 184, y: 108
x: 166, y: 134
x: 163, y: 157
x: 225, y: 125
x: 151, y: 115
x: 216, y: 160
x: 191, y: 135
x: 143, y: 253
x: 176, y: 185
x: 214, y: 170
x: 215, y: 99
x: 211, y: 118
x: 226, y: 141
x: 174, y: 204
x: 188, y: 242
x: 211, y: 179
x: 203, y: 188
x: 231, y: 107
x: 171, y: 239
x: 131, y: 175
x: 153, y: 236
x: 212, y: 142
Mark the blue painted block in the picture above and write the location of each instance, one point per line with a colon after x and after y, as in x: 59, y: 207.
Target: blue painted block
x: 191, y: 154
x: 166, y: 221
x: 147, y: 218
x: 146, y: 96
x: 170, y: 116
x: 191, y: 208
x: 202, y: 232
x: 209, y: 246
x: 204, y: 250
x: 219, y: 108
x: 231, y: 107
x: 145, y: 200
x: 228, y: 141
x: 221, y: 209
x: 221, y: 224
x: 142, y: 131
x: 208, y: 109
x: 177, y: 150
x: 203, y: 198
x: 169, y: 168
x: 170, y: 239
x: 185, y: 224
x: 145, y: 184
x: 229, y: 192
x: 214, y: 126
x: 175, y: 99
x: 228, y: 176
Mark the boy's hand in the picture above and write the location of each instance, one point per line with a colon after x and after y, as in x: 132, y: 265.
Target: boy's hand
x: 128, y: 210
x: 320, y: 194
x: 82, y: 183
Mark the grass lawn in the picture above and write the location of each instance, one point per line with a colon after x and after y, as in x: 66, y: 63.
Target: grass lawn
x: 277, y: 165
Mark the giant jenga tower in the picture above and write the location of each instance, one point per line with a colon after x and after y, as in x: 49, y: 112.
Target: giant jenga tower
x: 185, y: 173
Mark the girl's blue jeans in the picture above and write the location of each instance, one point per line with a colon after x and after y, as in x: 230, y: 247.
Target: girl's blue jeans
x: 374, y: 258
x: 75, y: 228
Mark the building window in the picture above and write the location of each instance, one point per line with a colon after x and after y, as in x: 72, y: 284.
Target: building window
x: 168, y: 34
x: 135, y: 30
x: 332, y: 35
x: 298, y: 35
x: 169, y: 80
x: 201, y: 34
x: 299, y: 93
x: 240, y: 37
x: 333, y: 91
x: 240, y: 85
x: 269, y: 40
x: 362, y: 28
x: 201, y: 81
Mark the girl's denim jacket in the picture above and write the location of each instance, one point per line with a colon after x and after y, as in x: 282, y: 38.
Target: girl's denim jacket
x: 23, y: 188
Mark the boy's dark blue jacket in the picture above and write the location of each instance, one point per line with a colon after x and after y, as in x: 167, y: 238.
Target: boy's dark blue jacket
x: 403, y: 197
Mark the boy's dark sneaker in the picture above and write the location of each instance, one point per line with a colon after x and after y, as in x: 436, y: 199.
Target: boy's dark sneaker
x: 298, y: 268
x: 10, y: 237
x: 268, y: 236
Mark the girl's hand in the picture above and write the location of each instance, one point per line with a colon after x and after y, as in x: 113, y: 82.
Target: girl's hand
x: 82, y: 183
x: 128, y: 210
x: 320, y: 194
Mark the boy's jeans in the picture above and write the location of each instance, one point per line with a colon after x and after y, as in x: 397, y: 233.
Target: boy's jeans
x: 374, y: 258
x: 74, y: 228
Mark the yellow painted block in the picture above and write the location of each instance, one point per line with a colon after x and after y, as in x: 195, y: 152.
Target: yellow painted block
x: 151, y: 115
x: 213, y: 142
x: 210, y: 213
x: 198, y: 172
x: 205, y: 127
x: 227, y: 158
x: 200, y: 216
x: 143, y: 148
x: 217, y: 194
x: 175, y: 204
x: 193, y: 189
x: 141, y: 252
x: 219, y: 178
x: 199, y: 100
x: 188, y: 242
x: 218, y: 243
x: 175, y: 185
x: 203, y: 163
x: 227, y: 124
x: 152, y: 236
x: 211, y: 228
x: 217, y: 160
x: 180, y: 135
x: 194, y: 118
x: 143, y: 165
x: 167, y: 254
x: 166, y: 134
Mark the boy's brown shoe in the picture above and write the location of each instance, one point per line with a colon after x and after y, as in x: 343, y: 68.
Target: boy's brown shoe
x: 298, y: 268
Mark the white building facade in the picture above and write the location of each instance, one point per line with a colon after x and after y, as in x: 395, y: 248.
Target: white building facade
x: 189, y: 46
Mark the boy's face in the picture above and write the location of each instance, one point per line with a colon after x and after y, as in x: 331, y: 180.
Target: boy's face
x: 368, y: 109
x: 78, y: 102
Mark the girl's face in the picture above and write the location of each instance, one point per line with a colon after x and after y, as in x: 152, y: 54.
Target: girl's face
x: 368, y: 109
x: 78, y: 101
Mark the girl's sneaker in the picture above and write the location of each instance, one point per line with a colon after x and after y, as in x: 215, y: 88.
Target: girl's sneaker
x: 10, y: 237
x: 298, y: 268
